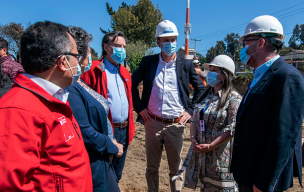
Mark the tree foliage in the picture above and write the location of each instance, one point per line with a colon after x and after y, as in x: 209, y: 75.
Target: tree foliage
x: 12, y: 33
x: 296, y: 41
x: 220, y: 48
x: 135, y: 52
x: 230, y: 46
x: 233, y: 46
x: 94, y: 54
x: 211, y: 53
x: 201, y: 58
x: 138, y: 22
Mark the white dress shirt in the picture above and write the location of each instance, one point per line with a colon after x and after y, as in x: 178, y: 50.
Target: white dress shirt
x: 49, y: 87
x: 165, y: 101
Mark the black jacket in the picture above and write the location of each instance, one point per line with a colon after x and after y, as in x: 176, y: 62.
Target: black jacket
x: 186, y: 75
x: 267, y: 141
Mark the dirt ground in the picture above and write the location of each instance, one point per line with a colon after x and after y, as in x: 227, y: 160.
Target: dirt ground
x: 133, y: 178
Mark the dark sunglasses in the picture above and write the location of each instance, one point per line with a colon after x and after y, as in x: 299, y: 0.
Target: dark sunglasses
x: 77, y: 56
x: 248, y: 40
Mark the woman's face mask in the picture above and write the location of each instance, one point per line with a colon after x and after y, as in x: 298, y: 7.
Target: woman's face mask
x: 76, y: 76
x: 86, y: 68
x: 212, y: 78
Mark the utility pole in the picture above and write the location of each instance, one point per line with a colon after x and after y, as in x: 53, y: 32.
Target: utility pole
x: 187, y: 30
x: 195, y: 46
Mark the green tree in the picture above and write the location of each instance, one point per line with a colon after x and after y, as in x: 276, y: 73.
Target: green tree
x: 138, y: 22
x: 295, y: 38
x: 211, y: 53
x: 201, y: 58
x: 94, y: 54
x: 301, y: 37
x: 233, y: 46
x: 135, y: 52
x: 12, y: 33
x: 220, y: 48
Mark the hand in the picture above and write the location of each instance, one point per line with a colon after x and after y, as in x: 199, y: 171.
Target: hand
x: 193, y: 141
x: 185, y: 117
x: 120, y: 148
x: 201, y: 148
x: 255, y: 189
x: 145, y: 114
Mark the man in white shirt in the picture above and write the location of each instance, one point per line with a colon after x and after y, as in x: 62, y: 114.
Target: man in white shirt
x: 165, y: 106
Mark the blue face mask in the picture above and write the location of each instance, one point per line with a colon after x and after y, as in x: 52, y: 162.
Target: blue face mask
x: 211, y: 78
x: 86, y: 68
x: 244, y: 55
x: 77, y: 75
x: 169, y: 48
x: 119, y: 54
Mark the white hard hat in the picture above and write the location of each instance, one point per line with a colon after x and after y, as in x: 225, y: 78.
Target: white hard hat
x: 225, y: 62
x: 165, y: 29
x: 264, y: 25
x: 196, y: 61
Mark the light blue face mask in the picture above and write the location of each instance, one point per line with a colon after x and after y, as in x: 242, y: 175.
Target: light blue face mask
x: 244, y: 55
x: 211, y: 78
x: 169, y: 48
x: 119, y: 55
x: 88, y: 67
x: 77, y: 75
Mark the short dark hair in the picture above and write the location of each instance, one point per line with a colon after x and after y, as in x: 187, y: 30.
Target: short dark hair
x: 41, y: 44
x: 82, y: 39
x: 110, y: 37
x: 273, y: 45
x: 3, y: 43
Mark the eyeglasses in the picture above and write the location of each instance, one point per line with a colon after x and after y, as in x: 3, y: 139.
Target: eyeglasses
x: 248, y: 40
x: 77, y: 56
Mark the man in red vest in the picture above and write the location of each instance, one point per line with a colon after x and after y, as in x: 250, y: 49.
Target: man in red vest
x: 113, y: 81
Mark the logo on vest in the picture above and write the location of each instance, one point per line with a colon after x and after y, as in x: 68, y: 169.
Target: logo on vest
x: 67, y: 130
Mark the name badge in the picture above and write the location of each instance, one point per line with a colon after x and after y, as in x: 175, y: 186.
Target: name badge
x: 127, y: 79
x: 202, y: 125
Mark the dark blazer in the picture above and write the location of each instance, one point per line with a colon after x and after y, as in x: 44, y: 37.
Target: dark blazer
x: 186, y: 75
x: 92, y: 119
x: 267, y: 140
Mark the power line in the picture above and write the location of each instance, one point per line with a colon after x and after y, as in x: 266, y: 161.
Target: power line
x: 237, y: 27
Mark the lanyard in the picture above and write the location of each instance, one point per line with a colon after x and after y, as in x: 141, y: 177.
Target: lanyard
x: 206, y: 106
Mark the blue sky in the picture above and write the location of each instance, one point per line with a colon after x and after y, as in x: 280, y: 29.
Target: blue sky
x: 210, y: 20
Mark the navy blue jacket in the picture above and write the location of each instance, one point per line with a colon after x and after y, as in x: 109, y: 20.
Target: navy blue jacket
x: 267, y: 141
x: 92, y: 119
x: 186, y: 75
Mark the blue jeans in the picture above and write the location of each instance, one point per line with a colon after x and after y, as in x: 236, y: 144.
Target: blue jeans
x: 121, y: 135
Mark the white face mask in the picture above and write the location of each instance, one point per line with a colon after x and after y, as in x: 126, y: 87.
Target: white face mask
x: 77, y: 75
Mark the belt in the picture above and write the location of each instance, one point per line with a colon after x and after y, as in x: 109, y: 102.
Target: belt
x: 121, y: 125
x: 165, y: 120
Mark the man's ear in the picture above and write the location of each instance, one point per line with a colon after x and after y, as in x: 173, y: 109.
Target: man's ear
x: 106, y: 47
x: 158, y: 43
x: 62, y: 63
x: 262, y: 42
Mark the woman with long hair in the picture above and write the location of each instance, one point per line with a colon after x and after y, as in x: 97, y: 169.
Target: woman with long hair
x: 91, y: 112
x: 211, y: 130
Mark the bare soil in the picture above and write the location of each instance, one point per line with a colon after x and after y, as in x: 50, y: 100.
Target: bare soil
x: 133, y: 178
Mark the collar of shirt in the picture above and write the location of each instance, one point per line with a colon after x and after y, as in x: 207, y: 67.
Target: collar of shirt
x: 216, y: 95
x: 110, y: 67
x: 50, y: 87
x: 261, y: 70
x: 170, y: 63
